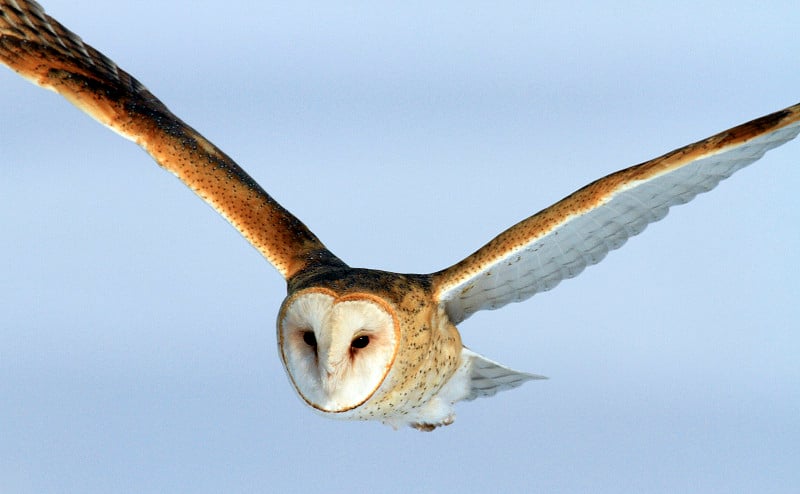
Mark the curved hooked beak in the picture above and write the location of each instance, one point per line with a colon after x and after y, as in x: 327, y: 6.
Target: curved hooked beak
x: 330, y: 369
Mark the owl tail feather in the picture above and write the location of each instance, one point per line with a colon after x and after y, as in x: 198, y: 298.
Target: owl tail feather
x: 487, y: 377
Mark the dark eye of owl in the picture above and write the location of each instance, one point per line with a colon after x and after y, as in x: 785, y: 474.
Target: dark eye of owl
x: 310, y: 339
x: 360, y: 342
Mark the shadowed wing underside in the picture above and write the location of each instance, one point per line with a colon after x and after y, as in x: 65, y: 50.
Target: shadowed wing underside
x: 578, y: 231
x: 46, y: 53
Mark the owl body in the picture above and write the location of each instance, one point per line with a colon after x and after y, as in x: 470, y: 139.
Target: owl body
x: 416, y: 348
x: 382, y: 349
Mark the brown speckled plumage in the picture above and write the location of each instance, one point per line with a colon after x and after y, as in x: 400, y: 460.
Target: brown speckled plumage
x: 42, y: 50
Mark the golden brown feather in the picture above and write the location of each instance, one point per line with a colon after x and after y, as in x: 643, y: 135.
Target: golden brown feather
x: 42, y: 50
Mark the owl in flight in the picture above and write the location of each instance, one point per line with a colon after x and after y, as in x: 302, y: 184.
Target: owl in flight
x: 365, y: 344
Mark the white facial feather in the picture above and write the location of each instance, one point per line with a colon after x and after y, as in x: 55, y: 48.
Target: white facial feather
x: 305, y: 314
x: 332, y: 371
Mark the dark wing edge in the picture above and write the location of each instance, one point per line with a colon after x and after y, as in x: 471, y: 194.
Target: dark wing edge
x: 560, y: 241
x: 40, y: 49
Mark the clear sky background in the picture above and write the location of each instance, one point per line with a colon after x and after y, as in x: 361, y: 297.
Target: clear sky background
x: 137, y: 339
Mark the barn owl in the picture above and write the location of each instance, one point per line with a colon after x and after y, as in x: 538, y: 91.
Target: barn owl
x: 365, y: 344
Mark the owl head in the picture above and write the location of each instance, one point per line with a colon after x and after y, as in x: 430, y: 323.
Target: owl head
x: 337, y: 350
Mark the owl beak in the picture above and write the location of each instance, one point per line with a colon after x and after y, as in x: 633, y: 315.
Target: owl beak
x: 329, y: 370
x: 329, y: 382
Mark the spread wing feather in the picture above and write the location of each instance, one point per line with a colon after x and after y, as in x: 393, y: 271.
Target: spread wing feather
x: 43, y: 51
x: 578, y: 231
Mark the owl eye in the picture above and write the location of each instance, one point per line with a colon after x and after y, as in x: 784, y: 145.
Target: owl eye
x: 310, y: 339
x: 360, y: 342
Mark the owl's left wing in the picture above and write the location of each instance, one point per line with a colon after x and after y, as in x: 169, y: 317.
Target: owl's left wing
x: 43, y: 51
x: 578, y: 231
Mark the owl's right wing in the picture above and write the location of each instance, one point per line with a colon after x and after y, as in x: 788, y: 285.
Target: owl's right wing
x: 43, y: 51
x: 578, y: 231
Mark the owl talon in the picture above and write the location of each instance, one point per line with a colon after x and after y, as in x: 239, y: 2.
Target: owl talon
x: 429, y: 427
x: 424, y: 427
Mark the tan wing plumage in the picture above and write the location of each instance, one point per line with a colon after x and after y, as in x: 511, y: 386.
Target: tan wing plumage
x: 43, y: 51
x: 578, y: 231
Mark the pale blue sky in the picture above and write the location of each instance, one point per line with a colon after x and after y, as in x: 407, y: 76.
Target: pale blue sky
x: 137, y: 347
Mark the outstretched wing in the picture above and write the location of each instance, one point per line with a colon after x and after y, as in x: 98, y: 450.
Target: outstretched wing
x: 578, y: 231
x: 43, y: 51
